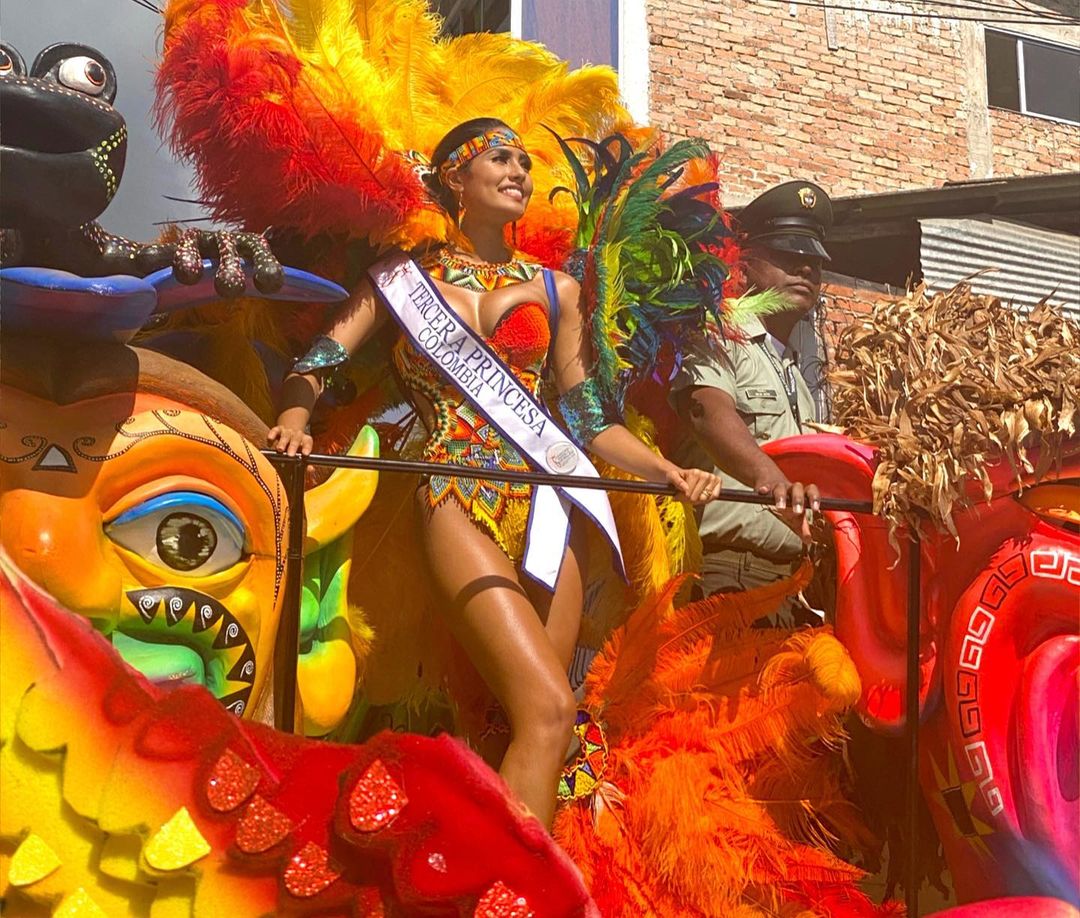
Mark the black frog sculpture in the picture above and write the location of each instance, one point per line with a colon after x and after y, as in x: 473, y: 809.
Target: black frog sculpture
x: 62, y: 151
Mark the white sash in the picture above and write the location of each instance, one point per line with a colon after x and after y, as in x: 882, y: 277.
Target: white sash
x: 489, y: 384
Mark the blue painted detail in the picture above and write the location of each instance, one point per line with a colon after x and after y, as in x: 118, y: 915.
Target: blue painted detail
x: 66, y: 305
x: 180, y: 500
x: 299, y: 286
x: 114, y: 308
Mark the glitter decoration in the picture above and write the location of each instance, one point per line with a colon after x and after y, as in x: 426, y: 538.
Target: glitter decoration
x: 261, y: 827
x: 502, y: 902
x: 231, y: 782
x: 369, y: 903
x: 376, y: 800
x: 79, y: 905
x: 437, y: 861
x: 33, y: 860
x: 187, y: 263
x: 177, y: 844
x: 309, y: 872
x: 580, y: 777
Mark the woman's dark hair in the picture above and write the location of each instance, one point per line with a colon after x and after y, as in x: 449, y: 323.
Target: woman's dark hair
x: 454, y: 139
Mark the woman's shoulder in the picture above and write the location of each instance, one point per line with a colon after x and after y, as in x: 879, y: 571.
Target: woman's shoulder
x: 564, y: 283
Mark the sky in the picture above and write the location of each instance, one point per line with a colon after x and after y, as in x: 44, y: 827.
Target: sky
x: 129, y: 36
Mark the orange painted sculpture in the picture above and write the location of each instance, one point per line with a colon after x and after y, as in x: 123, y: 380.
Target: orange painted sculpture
x: 133, y: 491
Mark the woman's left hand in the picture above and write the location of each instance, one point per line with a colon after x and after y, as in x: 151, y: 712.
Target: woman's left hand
x: 695, y: 485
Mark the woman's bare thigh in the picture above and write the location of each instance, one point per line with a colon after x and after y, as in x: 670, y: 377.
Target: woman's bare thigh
x: 561, y: 611
x: 490, y: 613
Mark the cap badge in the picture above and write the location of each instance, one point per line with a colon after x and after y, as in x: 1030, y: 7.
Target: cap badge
x: 807, y: 197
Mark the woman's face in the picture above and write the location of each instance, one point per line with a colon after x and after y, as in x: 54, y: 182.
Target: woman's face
x: 496, y: 183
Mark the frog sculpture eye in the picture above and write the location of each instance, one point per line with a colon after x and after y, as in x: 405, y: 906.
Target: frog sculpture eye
x: 185, y: 532
x: 78, y: 67
x: 11, y: 62
x: 84, y: 74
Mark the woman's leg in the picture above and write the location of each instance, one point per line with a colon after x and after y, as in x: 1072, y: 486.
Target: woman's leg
x: 491, y: 616
x: 561, y: 611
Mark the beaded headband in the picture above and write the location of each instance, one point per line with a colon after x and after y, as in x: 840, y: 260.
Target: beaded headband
x: 474, y: 146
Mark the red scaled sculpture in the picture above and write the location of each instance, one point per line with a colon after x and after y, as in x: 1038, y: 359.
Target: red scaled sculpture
x: 999, y: 655
x: 121, y: 796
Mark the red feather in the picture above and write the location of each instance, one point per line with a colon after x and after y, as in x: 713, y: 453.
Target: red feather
x: 267, y: 149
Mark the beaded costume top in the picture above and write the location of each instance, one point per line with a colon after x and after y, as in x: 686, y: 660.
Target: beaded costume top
x: 460, y: 434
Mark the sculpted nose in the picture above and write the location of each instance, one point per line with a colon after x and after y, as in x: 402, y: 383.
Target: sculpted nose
x: 58, y: 543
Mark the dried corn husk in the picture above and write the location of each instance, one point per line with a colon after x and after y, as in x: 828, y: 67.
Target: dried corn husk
x: 945, y: 385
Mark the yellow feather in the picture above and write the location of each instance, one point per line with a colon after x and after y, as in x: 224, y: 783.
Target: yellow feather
x: 385, y: 68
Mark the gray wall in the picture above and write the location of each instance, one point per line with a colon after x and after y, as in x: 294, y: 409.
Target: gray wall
x: 129, y: 36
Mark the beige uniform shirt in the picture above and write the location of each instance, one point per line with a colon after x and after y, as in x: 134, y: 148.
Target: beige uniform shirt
x: 773, y: 401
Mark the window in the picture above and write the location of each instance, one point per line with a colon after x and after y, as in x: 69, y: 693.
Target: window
x: 1031, y: 76
x: 579, y: 31
x: 461, y: 17
x: 612, y: 32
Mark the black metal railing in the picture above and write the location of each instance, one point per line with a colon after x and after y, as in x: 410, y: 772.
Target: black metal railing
x: 286, y: 650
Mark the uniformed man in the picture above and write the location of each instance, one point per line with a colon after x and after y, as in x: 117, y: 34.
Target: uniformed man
x: 753, y: 393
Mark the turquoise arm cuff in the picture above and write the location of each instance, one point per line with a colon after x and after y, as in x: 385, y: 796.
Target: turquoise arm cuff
x: 586, y: 412
x: 326, y: 356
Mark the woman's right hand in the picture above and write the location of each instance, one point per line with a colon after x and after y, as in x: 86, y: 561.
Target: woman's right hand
x: 289, y: 440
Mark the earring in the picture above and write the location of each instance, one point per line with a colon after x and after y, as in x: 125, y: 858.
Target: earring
x: 460, y: 211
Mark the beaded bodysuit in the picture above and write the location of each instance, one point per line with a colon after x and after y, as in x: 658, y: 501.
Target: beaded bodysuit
x: 461, y: 435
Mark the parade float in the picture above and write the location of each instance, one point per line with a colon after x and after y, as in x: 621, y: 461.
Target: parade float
x: 151, y: 554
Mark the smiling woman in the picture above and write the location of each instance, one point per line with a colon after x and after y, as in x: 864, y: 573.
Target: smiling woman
x: 480, y: 323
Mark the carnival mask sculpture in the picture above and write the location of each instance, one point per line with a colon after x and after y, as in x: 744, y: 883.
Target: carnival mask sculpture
x: 999, y: 655
x: 132, y: 490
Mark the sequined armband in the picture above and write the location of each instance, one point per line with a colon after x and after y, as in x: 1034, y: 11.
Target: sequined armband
x: 586, y: 412
x: 326, y: 356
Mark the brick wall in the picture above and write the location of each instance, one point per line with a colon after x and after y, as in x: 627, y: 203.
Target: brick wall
x: 900, y: 103
x: 847, y: 299
x: 1032, y: 146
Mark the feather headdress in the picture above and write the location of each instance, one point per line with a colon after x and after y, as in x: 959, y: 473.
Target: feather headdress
x: 647, y: 253
x: 296, y: 112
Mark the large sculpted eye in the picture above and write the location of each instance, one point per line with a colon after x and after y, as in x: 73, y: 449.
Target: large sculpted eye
x: 185, y: 531
x: 83, y: 74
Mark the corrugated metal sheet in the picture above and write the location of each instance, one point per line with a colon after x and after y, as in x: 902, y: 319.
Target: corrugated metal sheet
x: 1031, y: 262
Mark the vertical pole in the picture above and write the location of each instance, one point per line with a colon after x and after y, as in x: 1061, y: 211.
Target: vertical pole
x: 287, y: 646
x: 911, y: 706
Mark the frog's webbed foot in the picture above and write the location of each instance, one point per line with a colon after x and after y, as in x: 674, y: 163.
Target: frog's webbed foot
x: 229, y: 248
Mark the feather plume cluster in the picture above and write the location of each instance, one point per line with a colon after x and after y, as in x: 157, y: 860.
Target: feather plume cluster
x: 947, y: 387
x: 646, y: 251
x: 295, y: 112
x: 696, y: 706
